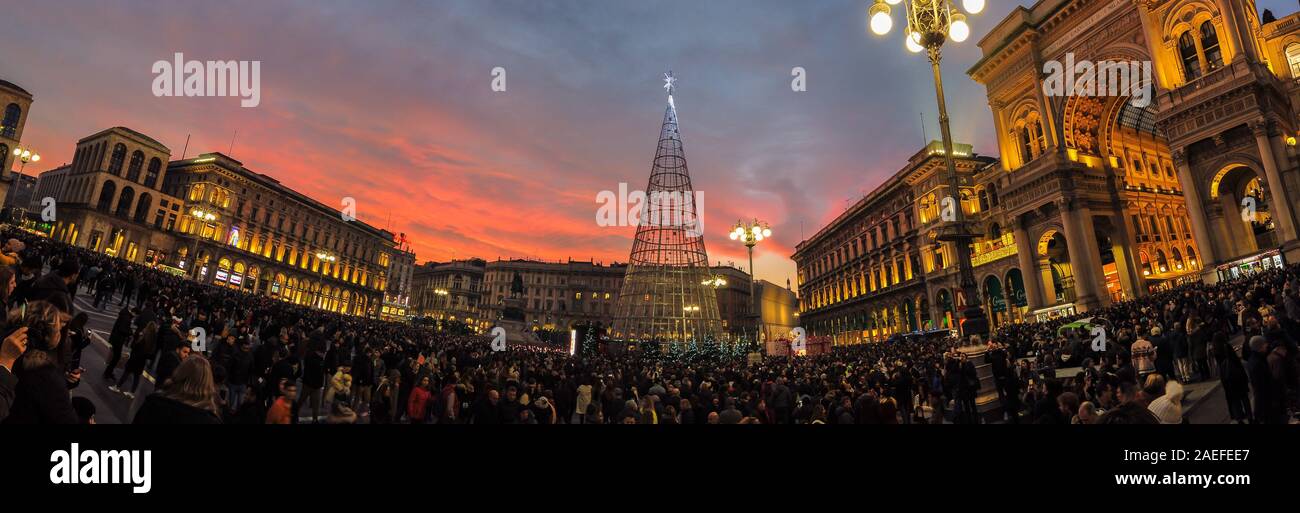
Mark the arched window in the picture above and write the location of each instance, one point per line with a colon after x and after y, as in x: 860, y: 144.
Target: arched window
x: 1293, y: 59
x: 106, y: 196
x: 1161, y: 261
x: 124, y: 202
x: 151, y: 178
x: 142, y: 208
x: 137, y: 162
x: 1026, y: 145
x: 1210, y: 45
x: 119, y: 157
x: 10, y: 124
x: 1191, y: 61
x: 984, y: 200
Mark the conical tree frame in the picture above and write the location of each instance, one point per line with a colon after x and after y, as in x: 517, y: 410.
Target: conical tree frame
x: 664, y: 295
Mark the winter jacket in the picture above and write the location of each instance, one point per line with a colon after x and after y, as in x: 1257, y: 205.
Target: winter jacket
x: 41, y: 395
x: 161, y: 410
x: 418, y: 405
x: 53, y: 289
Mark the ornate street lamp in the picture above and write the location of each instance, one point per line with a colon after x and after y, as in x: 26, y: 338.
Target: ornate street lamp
x: 930, y: 23
x: 751, y: 233
x: 24, y: 155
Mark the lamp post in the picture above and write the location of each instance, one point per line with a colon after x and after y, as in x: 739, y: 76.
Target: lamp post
x: 24, y: 155
x: 930, y: 23
x: 751, y: 233
x: 201, y: 220
x: 446, y: 300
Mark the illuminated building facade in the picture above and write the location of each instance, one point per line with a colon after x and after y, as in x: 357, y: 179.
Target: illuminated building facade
x: 450, y: 291
x: 877, y: 270
x: 244, y: 230
x: 557, y: 295
x: 1116, y: 197
x: 15, y: 102
x: 401, y: 272
x: 1098, y: 196
x: 110, y: 199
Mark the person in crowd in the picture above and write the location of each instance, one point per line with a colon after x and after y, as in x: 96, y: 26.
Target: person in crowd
x: 188, y: 397
x: 1269, y: 391
x: 283, y: 407
x: 171, y: 360
x: 85, y: 410
x: 13, y: 346
x: 142, y: 350
x: 1235, y: 380
x: 239, y: 373
x: 43, y: 380
x: 117, y: 339
x: 9, y: 253
x: 1087, y: 413
x: 417, y: 408
x: 1168, y: 405
x: 1131, y: 409
x: 53, y: 288
x: 265, y: 343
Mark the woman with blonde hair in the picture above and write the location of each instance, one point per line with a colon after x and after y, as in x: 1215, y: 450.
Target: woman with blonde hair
x: 188, y: 398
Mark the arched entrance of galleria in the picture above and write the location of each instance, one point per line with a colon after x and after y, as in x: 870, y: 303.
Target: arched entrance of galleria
x: 1100, y: 215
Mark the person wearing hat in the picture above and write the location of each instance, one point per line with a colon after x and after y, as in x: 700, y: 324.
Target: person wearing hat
x: 1168, y: 408
x: 10, y: 251
x: 543, y: 410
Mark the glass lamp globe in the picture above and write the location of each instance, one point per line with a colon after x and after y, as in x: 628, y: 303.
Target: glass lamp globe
x: 959, y: 30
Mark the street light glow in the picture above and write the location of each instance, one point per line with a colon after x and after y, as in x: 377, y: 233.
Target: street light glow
x: 881, y: 22
x: 959, y: 31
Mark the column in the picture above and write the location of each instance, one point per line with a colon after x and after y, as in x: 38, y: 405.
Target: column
x: 1276, y: 191
x: 1029, y: 271
x: 1239, y: 239
x: 1130, y: 278
x: 1223, y: 241
x: 1076, y: 241
x: 1195, y: 211
x: 1045, y: 277
x: 1239, y: 32
x: 1283, y: 160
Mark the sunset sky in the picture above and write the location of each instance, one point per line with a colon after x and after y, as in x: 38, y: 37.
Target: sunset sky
x: 390, y: 102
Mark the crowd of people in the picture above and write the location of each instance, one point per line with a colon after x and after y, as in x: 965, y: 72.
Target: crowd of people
x: 265, y: 361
